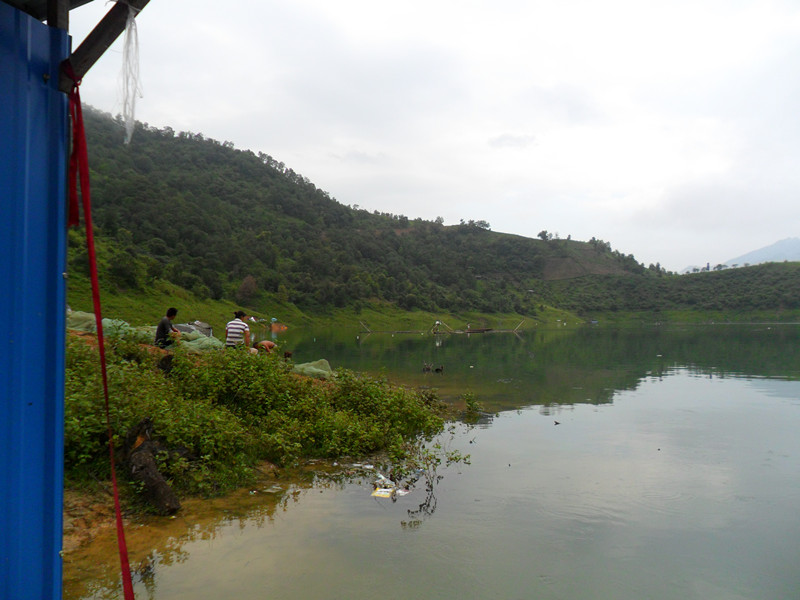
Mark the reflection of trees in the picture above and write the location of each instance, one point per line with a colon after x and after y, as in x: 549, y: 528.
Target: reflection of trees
x: 428, y: 506
x: 145, y: 572
x: 85, y: 575
x: 420, y: 467
x: 574, y: 364
x: 425, y: 464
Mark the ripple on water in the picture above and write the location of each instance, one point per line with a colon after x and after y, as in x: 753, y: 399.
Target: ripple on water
x: 583, y: 518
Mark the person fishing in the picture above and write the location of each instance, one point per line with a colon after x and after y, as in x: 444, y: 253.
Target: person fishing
x: 165, y: 330
x: 237, y: 332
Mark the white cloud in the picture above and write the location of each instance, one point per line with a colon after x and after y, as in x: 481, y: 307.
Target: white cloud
x: 511, y: 140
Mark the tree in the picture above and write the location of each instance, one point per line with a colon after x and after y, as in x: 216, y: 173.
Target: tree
x: 283, y: 293
x: 123, y: 270
x: 247, y: 290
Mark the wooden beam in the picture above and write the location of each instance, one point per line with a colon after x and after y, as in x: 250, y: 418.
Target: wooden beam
x: 58, y: 14
x: 98, y: 41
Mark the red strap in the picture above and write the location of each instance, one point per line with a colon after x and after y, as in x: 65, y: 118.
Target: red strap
x: 79, y: 167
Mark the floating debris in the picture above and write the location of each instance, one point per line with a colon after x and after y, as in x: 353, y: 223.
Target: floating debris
x: 383, y: 480
x: 386, y: 488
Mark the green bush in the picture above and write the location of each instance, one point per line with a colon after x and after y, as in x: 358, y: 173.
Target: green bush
x: 228, y: 410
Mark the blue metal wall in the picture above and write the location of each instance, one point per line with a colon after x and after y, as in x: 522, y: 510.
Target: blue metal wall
x: 33, y: 158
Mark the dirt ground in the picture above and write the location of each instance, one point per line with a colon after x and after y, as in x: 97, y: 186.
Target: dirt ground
x: 90, y: 512
x: 85, y: 516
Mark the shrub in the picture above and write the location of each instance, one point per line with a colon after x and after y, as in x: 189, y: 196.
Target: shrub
x: 228, y: 410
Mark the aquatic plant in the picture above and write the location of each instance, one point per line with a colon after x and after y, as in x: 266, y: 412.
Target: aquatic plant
x: 474, y: 408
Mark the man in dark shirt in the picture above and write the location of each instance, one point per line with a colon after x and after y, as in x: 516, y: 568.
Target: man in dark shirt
x: 165, y: 328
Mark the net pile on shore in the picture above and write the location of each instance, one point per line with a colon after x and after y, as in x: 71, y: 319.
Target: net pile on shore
x: 194, y: 341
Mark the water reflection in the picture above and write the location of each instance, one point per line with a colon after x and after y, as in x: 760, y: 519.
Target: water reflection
x: 158, y: 545
x: 685, y: 487
x: 558, y: 366
x: 674, y: 472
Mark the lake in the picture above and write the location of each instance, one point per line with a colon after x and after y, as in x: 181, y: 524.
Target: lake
x: 673, y: 472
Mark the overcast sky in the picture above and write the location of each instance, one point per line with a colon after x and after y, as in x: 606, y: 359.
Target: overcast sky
x: 669, y: 129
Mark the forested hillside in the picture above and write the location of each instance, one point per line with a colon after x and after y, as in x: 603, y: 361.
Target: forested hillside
x: 757, y: 289
x: 223, y: 222
x: 229, y: 224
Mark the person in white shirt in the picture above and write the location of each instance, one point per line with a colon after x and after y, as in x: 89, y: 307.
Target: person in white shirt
x: 237, y: 332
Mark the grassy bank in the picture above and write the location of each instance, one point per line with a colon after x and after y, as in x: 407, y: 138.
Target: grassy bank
x: 146, y: 307
x: 697, y: 317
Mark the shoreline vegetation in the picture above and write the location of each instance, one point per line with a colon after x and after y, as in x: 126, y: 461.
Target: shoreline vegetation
x: 223, y: 419
x: 228, y: 420
x: 219, y: 420
x: 148, y: 306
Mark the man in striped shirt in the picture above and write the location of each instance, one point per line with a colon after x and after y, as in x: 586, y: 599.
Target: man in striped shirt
x: 237, y: 332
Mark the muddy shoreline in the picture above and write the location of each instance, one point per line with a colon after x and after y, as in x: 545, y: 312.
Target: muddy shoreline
x: 85, y: 516
x: 90, y: 547
x: 89, y: 513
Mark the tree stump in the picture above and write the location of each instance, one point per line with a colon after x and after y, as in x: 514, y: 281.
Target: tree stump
x: 142, y: 450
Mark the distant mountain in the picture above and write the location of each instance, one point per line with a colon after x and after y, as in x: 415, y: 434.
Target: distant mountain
x: 788, y: 249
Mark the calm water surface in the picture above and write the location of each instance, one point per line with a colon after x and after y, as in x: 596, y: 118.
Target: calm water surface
x: 674, y: 473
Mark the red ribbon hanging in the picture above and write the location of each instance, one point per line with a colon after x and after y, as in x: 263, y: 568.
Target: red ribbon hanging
x: 79, y: 168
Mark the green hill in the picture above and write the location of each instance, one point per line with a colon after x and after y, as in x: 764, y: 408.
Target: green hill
x: 178, y: 210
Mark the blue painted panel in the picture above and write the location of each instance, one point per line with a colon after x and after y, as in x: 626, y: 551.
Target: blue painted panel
x: 33, y: 158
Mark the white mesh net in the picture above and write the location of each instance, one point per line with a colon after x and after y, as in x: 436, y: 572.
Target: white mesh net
x: 131, y: 86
